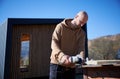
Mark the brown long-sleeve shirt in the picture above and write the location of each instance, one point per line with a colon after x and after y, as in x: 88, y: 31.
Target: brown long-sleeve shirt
x: 66, y: 41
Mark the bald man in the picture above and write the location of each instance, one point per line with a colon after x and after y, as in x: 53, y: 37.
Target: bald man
x: 67, y: 46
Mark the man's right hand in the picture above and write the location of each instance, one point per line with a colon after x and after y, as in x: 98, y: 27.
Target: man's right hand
x: 67, y: 63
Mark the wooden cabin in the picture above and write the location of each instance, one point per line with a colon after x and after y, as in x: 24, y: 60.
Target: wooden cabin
x: 25, y: 47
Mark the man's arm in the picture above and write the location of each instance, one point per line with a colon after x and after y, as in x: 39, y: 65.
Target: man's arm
x: 56, y: 44
x: 58, y: 54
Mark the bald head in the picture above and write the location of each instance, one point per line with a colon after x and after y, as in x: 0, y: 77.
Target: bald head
x: 81, y: 18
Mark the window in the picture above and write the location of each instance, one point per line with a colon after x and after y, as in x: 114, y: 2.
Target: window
x: 24, y: 54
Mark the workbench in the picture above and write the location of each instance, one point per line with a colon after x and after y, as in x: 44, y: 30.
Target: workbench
x: 108, y: 71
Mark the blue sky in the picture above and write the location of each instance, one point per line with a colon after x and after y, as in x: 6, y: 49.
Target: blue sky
x: 104, y: 15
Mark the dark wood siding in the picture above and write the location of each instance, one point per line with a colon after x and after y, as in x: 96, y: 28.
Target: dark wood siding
x: 40, y: 41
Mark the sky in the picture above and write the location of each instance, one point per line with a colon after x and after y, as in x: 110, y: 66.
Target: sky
x: 104, y: 15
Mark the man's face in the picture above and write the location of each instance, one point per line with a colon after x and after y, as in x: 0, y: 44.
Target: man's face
x: 81, y: 19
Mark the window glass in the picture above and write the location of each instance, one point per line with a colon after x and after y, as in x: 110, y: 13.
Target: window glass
x: 24, y: 55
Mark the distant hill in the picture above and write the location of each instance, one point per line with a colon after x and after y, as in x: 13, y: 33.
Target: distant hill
x: 105, y: 47
x: 108, y: 37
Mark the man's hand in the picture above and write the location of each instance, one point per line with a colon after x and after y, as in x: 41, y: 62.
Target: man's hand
x: 67, y: 63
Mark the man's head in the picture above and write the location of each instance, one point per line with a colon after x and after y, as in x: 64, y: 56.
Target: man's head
x: 81, y: 18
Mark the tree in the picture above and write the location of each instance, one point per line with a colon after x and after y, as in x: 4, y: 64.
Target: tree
x: 102, y: 49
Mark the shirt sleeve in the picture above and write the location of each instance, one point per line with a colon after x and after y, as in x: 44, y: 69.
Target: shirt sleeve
x: 56, y: 43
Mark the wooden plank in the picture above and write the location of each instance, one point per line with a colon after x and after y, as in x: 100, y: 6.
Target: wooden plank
x: 101, y: 72
x: 102, y: 62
